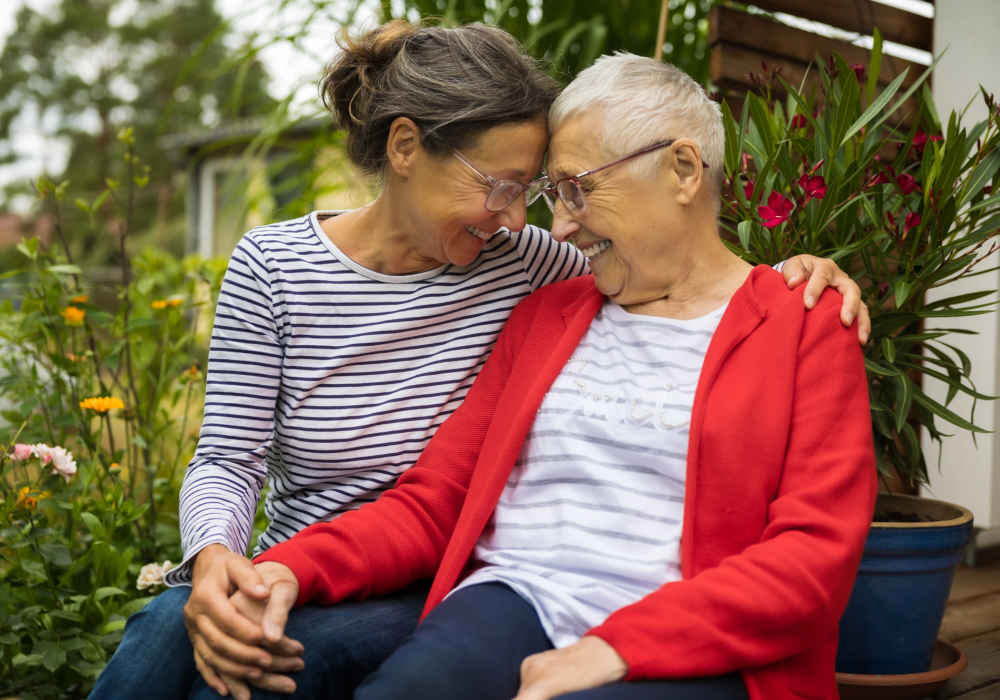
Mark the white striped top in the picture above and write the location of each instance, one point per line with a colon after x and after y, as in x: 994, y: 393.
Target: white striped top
x: 327, y: 379
x: 590, y: 518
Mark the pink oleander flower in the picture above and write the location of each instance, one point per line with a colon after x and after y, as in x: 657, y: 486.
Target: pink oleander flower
x: 859, y: 71
x: 798, y: 122
x: 920, y: 140
x: 907, y: 183
x: 151, y: 575
x: 776, y: 211
x: 748, y: 189
x: 21, y: 452
x: 814, y: 186
x: 912, y: 220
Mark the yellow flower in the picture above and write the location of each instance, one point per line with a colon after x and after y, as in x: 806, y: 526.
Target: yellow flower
x: 164, y: 303
x: 73, y: 315
x: 102, y: 404
x: 79, y: 299
x: 28, y: 500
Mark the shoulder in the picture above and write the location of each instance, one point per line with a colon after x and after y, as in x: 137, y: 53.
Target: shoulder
x: 279, y: 236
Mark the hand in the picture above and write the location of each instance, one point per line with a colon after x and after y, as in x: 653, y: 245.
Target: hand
x: 271, y: 614
x: 823, y: 273
x: 221, y: 635
x: 587, y: 664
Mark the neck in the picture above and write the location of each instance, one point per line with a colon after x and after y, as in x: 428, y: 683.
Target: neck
x: 380, y: 237
x: 698, y: 279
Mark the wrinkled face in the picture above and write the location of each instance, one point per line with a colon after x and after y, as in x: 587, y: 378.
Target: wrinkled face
x: 449, y: 198
x: 623, y: 230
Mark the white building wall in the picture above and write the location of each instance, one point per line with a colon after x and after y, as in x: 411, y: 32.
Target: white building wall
x: 967, y: 32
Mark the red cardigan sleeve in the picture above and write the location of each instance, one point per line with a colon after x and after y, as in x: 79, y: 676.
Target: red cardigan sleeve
x: 401, y: 537
x: 776, y: 597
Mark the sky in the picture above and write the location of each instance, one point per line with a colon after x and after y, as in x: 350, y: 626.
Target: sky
x: 299, y: 67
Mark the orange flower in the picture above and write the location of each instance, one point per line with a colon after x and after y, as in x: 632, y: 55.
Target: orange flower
x: 102, y: 404
x: 73, y: 316
x: 164, y: 303
x: 28, y: 500
x: 79, y: 299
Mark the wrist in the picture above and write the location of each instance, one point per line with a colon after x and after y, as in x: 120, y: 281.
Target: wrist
x: 204, y: 560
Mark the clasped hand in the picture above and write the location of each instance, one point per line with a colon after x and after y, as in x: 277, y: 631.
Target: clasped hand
x: 236, y: 617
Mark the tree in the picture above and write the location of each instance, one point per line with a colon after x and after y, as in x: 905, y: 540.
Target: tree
x: 81, y: 71
x: 570, y: 34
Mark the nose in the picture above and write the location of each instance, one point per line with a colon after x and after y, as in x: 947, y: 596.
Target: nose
x: 515, y: 215
x: 563, y: 224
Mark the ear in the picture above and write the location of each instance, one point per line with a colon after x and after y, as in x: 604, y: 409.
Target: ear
x: 688, y: 169
x: 402, y: 145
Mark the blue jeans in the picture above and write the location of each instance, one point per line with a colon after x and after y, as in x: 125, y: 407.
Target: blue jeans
x: 472, y: 645
x: 343, y: 643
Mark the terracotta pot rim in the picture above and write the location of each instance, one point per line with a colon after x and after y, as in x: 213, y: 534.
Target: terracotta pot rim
x: 935, y: 675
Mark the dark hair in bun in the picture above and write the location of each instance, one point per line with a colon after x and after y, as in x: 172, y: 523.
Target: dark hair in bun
x: 454, y: 83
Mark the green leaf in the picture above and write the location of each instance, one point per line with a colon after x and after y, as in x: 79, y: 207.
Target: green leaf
x: 53, y: 656
x: 107, y: 592
x: 95, y: 526
x: 875, y: 108
x: 979, y: 178
x: 113, y: 626
x: 901, y: 288
x: 35, y: 570
x: 27, y: 660
x: 29, y: 248
x: 875, y: 64
x: 64, y: 269
x: 57, y: 554
x: 889, y: 350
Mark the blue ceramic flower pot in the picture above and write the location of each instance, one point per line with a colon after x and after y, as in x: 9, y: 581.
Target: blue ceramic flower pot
x: 894, y: 614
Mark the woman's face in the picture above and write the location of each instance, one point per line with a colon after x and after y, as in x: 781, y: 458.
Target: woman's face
x: 448, y: 199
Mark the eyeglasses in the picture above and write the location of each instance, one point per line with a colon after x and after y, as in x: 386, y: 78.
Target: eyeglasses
x: 569, y: 189
x: 502, y: 192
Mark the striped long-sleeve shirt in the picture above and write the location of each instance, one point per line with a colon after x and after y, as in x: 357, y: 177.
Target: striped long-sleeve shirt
x: 327, y: 379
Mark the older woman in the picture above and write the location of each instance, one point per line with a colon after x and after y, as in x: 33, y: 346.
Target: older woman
x: 343, y: 340
x: 659, y: 484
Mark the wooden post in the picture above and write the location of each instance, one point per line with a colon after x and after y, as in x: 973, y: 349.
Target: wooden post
x: 661, y: 32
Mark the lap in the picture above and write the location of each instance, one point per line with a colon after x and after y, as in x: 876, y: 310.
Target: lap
x: 473, y: 643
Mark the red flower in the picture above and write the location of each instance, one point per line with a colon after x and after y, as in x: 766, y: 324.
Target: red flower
x: 920, y: 140
x: 907, y: 183
x: 798, y: 121
x: 777, y: 210
x: 879, y: 179
x: 891, y: 218
x: 748, y: 189
x: 912, y: 219
x: 745, y: 157
x: 814, y: 186
x: 859, y: 71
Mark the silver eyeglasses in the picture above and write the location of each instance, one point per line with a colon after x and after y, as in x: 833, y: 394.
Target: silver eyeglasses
x: 502, y: 192
x: 569, y: 189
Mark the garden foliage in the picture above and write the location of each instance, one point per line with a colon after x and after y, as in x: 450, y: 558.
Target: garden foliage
x: 101, y: 384
x: 905, y: 210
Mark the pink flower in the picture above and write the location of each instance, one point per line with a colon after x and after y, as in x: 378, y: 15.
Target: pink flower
x: 777, y: 210
x: 745, y: 161
x: 814, y: 186
x: 912, y: 219
x: 859, y: 71
x: 748, y: 189
x: 21, y: 452
x: 891, y: 218
x: 61, y: 459
x: 798, y: 121
x: 907, y: 183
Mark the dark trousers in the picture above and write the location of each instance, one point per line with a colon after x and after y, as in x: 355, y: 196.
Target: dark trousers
x: 472, y: 645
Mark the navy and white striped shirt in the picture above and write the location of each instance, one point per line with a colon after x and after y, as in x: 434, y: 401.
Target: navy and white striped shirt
x: 328, y: 379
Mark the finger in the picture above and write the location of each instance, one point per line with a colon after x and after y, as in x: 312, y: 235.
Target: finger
x: 285, y: 664
x: 275, y: 682
x: 238, y: 689
x: 818, y: 281
x: 864, y: 324
x: 212, y: 679
x: 794, y: 272
x: 276, y: 615
x: 852, y: 300
x: 229, y: 655
x: 223, y: 615
x: 246, y: 578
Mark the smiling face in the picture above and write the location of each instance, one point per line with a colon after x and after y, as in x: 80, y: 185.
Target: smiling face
x: 626, y: 230
x: 447, y: 199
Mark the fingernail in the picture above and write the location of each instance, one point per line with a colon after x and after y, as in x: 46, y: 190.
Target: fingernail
x: 271, y: 630
x: 260, y: 589
x: 810, y: 300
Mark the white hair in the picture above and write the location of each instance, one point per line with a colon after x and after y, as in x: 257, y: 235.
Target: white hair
x: 643, y: 101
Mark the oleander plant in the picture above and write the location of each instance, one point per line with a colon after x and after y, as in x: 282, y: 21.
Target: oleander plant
x: 903, y: 201
x: 101, y: 389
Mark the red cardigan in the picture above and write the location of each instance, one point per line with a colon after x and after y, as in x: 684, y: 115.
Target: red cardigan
x: 780, y: 491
